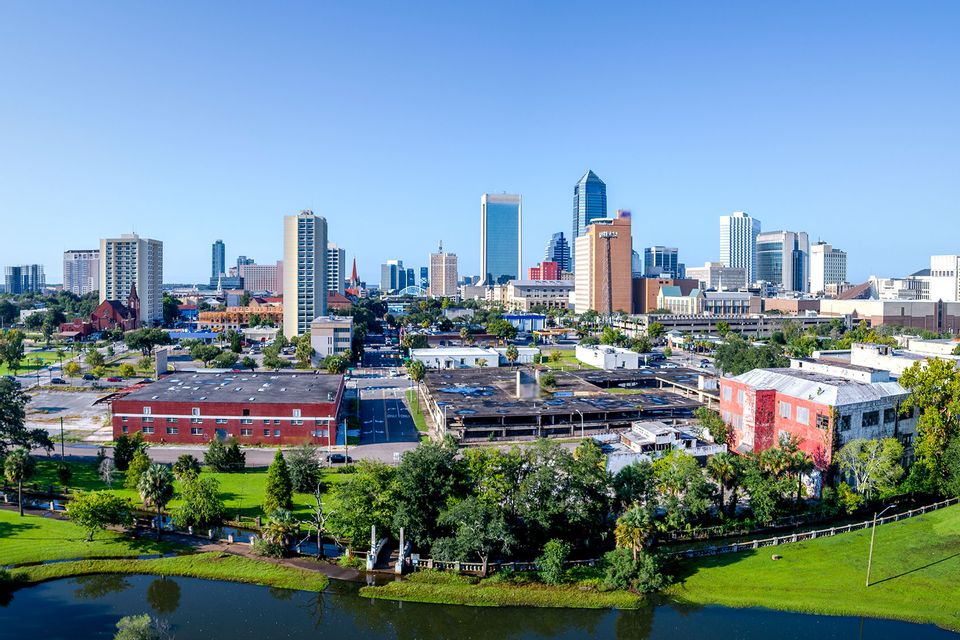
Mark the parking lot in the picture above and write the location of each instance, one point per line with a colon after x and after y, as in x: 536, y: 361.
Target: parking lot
x: 82, y: 420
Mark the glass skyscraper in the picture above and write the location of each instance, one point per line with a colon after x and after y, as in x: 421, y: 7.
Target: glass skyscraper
x: 558, y: 250
x: 589, y: 203
x: 659, y: 260
x: 218, y: 260
x: 500, y: 238
x: 738, y: 242
x: 783, y: 259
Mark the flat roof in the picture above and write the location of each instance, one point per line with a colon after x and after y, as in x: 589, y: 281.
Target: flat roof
x: 265, y: 388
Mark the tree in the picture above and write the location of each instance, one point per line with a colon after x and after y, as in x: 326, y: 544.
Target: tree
x: 125, y: 447
x: 13, y: 432
x: 248, y: 363
x: 635, y: 484
x: 96, y: 510
x: 138, y: 466
x: 64, y: 474
x: 512, y: 354
x: 127, y: 370
x: 367, y: 498
x: 640, y: 572
x: 11, y: 349
x: 723, y: 328
x: 934, y: 388
x: 200, y: 502
x: 667, y: 352
x: 479, y: 529
x: 642, y: 345
x: 426, y: 477
x: 156, y: 489
x: 335, y: 364
x: 281, y: 529
x: 873, y: 466
x: 105, y: 470
x: 736, y: 356
x: 724, y: 469
x: 94, y: 358
x: 714, y: 424
x: 682, y: 488
x: 502, y: 329
x: 556, y: 356
x: 417, y: 371
x: 235, y: 340
x: 552, y: 562
x: 205, y: 353
x: 655, y: 331
x: 225, y: 360
x: 304, y: 466
x: 633, y: 529
x: 278, y: 492
x: 304, y: 352
x: 71, y: 370
x: 19, y: 467
x: 146, y: 340
x: 225, y: 458
x: 171, y: 309
x: 185, y: 464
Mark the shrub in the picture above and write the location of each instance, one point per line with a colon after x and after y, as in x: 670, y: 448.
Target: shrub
x: 138, y: 465
x: 94, y: 511
x: 553, y: 560
x: 200, y: 505
x: 278, y: 493
x: 848, y: 499
x: 623, y: 572
x: 185, y: 464
x: 268, y: 548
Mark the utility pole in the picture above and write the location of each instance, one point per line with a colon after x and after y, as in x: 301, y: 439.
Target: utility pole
x: 61, y: 440
x: 873, y: 535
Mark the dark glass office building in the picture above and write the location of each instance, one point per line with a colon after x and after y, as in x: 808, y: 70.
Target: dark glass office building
x: 558, y: 250
x: 589, y: 203
x: 500, y: 238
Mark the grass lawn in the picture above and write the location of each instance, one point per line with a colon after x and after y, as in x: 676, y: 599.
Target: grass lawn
x: 916, y: 574
x: 28, y: 363
x: 34, y: 538
x: 568, y: 360
x: 438, y: 587
x: 212, y: 566
x: 416, y: 411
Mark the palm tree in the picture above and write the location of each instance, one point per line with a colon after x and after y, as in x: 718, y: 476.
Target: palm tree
x: 724, y: 469
x: 800, y: 464
x: 19, y: 467
x: 156, y: 488
x: 633, y: 529
x: 282, y: 528
x: 512, y: 354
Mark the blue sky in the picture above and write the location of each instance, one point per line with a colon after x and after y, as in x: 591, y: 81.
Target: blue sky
x: 189, y: 122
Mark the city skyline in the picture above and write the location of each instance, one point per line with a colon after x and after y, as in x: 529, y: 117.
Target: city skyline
x: 684, y: 128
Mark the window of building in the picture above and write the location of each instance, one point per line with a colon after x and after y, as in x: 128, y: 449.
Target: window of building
x: 297, y: 422
x: 276, y: 433
x: 276, y: 421
x: 124, y: 418
x: 871, y: 418
x: 171, y: 420
x: 148, y: 429
x: 741, y: 396
x: 907, y: 414
x: 786, y: 409
x: 823, y: 421
x: 906, y: 439
x: 146, y: 411
x: 296, y: 413
x: 266, y: 433
x: 124, y: 429
x: 727, y: 393
x: 196, y: 431
x: 196, y: 420
x: 221, y: 421
x: 246, y: 421
x: 246, y: 432
x: 172, y: 431
x: 844, y: 423
x: 803, y: 415
x: 147, y: 420
x: 889, y: 415
x: 246, y: 412
x: 195, y: 411
x: 266, y: 421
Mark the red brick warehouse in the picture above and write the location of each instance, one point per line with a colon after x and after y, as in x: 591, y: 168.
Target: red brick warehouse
x: 256, y: 408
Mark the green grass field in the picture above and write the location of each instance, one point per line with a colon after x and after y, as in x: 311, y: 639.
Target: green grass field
x: 416, y: 412
x: 436, y: 587
x: 29, y: 364
x: 568, y: 360
x: 915, y: 577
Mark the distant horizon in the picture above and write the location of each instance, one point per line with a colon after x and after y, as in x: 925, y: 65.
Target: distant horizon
x: 191, y: 123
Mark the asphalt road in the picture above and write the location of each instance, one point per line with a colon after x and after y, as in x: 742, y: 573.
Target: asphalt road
x: 383, y: 415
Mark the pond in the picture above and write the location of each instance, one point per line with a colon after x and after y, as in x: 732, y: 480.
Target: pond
x: 89, y: 607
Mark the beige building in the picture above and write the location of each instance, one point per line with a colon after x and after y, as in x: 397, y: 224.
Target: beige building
x: 130, y: 261
x: 305, y: 271
x: 331, y: 335
x: 81, y: 271
x: 603, y: 271
x: 443, y: 274
x: 263, y: 277
x: 716, y: 275
x: 523, y: 295
x: 827, y: 266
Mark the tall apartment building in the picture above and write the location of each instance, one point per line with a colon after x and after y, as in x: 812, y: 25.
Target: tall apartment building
x: 262, y: 277
x: 501, y: 221
x: 716, y: 275
x: 603, y: 275
x: 443, y: 274
x: 81, y: 271
x: 589, y: 204
x: 26, y: 278
x: 304, y: 271
x: 659, y: 260
x: 827, y: 266
x: 738, y: 242
x: 131, y: 261
x: 783, y: 258
x: 558, y: 250
x: 945, y: 278
x: 336, y: 268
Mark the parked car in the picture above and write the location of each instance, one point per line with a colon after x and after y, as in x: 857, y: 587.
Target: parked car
x: 58, y: 381
x: 146, y: 381
x: 114, y: 379
x: 89, y: 376
x: 338, y: 458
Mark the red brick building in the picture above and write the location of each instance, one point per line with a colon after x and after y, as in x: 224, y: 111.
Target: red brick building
x: 809, y: 401
x: 546, y: 270
x: 108, y: 315
x: 256, y: 408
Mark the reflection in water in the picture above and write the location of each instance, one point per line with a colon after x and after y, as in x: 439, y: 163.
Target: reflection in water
x: 163, y: 594
x: 96, y: 586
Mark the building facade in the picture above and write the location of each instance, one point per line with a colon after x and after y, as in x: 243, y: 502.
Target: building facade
x: 331, y: 335
x: 27, y: 278
x: 558, y: 250
x: 393, y: 276
x: 945, y: 278
x: 131, y: 261
x: 716, y: 275
x: 827, y: 266
x: 442, y: 274
x: 336, y: 268
x: 263, y: 277
x: 589, y: 204
x: 501, y: 223
x: 524, y: 295
x: 546, y: 270
x: 738, y: 242
x: 661, y: 261
x: 81, y: 271
x: 256, y: 409
x: 645, y: 291
x: 603, y: 274
x: 783, y: 259
x: 218, y: 260
x: 305, y: 271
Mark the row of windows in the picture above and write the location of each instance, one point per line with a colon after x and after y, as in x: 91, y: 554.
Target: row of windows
x: 196, y: 431
x: 295, y: 422
x: 296, y: 413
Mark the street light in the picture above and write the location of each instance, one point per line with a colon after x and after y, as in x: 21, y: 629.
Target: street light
x: 873, y: 534
x: 581, y: 422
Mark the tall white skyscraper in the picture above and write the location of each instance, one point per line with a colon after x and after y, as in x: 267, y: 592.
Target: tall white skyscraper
x: 827, y: 266
x: 336, y: 268
x: 783, y: 258
x: 501, y: 221
x: 304, y: 271
x: 945, y: 278
x: 81, y: 271
x: 738, y: 242
x: 443, y: 274
x: 130, y: 261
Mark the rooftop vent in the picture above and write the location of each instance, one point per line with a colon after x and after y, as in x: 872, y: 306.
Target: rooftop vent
x: 252, y: 398
x: 154, y: 397
x: 203, y: 397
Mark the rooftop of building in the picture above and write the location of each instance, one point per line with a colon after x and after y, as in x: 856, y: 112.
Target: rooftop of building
x: 821, y: 388
x: 319, y: 320
x: 451, y: 352
x: 259, y: 388
x: 543, y: 283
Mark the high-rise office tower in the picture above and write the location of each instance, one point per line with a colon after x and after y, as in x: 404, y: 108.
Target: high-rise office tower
x: 443, y: 274
x: 636, y: 264
x: 26, y: 278
x: 425, y: 277
x: 218, y: 262
x: 81, y: 271
x: 501, y: 221
x: 603, y: 274
x: 658, y: 260
x: 393, y: 276
x: 304, y: 271
x: 783, y: 258
x: 243, y: 261
x: 336, y: 268
x: 411, y: 280
x: 131, y: 261
x: 738, y: 242
x: 589, y: 204
x: 827, y: 266
x: 558, y: 250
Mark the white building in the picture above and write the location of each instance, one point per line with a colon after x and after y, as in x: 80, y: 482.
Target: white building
x: 522, y: 295
x: 827, y: 266
x: 525, y: 355
x: 605, y: 356
x: 305, y: 271
x: 456, y: 357
x: 81, y: 271
x: 330, y: 336
x: 130, y: 261
x: 263, y: 277
x: 716, y: 275
x: 443, y: 274
x: 738, y: 242
x: 945, y: 278
x: 783, y: 258
x: 336, y: 268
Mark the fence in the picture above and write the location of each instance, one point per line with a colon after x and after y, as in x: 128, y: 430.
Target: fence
x: 809, y: 535
x: 478, y: 568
